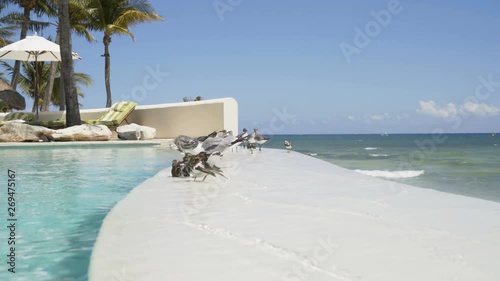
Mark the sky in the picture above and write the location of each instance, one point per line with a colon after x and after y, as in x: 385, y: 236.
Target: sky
x: 313, y: 67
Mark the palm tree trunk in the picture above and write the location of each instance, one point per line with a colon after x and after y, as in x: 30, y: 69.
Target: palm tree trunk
x: 107, y: 63
x: 37, y: 99
x: 62, y: 97
x: 67, y: 71
x: 33, y: 108
x: 24, y: 32
x: 50, y: 84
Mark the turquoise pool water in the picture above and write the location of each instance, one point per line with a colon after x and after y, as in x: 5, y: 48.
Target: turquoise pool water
x: 62, y: 196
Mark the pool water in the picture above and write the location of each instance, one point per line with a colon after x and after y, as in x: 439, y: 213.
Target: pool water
x: 62, y: 196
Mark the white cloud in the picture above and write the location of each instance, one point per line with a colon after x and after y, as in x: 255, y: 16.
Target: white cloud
x: 369, y: 119
x: 480, y: 109
x: 451, y: 110
x: 402, y: 116
x: 432, y: 109
x: 379, y: 117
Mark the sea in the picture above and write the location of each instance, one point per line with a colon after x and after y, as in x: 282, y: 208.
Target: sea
x: 464, y: 164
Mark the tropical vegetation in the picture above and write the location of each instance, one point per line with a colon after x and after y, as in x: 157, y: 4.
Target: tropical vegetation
x: 115, y: 17
x: 79, y: 17
x: 26, y: 82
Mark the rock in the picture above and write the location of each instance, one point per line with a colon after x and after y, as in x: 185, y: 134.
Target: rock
x: 19, y: 132
x: 128, y: 132
x: 135, y: 132
x: 82, y: 133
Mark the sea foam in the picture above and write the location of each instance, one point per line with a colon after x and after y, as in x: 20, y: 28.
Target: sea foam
x: 379, y: 155
x: 371, y: 148
x: 392, y: 174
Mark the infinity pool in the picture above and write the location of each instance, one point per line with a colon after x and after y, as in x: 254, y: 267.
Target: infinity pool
x: 62, y: 196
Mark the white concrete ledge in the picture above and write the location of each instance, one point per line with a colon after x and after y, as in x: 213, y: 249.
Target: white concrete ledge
x: 288, y: 216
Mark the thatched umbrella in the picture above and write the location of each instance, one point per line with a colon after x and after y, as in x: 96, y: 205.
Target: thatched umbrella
x: 12, y: 98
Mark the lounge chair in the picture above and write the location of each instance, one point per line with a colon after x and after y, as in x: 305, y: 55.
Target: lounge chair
x: 24, y: 116
x: 115, y: 115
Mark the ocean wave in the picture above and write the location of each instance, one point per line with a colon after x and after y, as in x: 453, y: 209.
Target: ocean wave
x: 379, y: 155
x: 312, y: 154
x: 371, y: 148
x: 392, y: 174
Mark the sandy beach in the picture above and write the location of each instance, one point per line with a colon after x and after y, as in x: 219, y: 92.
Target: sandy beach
x: 289, y: 216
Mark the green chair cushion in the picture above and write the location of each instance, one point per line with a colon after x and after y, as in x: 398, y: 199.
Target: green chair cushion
x: 118, y: 112
x: 19, y: 115
x: 112, y: 118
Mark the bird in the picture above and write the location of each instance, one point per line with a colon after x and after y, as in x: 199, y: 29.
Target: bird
x: 288, y: 145
x: 251, y: 141
x: 212, y: 144
x: 259, y: 139
x: 211, y: 135
x: 244, y: 137
x: 195, y: 166
x: 188, y: 145
x: 178, y: 170
x: 220, y: 144
x: 222, y: 133
x: 203, y: 157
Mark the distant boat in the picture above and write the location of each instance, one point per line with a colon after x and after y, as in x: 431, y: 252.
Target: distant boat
x: 384, y: 134
x: 493, y: 134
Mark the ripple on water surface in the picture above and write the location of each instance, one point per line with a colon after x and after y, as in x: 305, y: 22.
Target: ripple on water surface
x: 62, y: 196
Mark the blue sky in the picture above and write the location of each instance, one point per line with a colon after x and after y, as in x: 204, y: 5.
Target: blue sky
x: 417, y: 71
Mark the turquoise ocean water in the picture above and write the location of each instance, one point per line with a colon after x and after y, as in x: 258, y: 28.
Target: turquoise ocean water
x: 466, y: 164
x: 62, y: 197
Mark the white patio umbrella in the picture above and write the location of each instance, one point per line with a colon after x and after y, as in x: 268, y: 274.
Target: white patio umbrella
x: 33, y: 48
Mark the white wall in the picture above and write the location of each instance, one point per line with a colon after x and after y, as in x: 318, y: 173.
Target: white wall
x: 172, y: 119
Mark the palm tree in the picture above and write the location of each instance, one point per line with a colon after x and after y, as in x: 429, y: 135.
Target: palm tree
x: 7, y: 28
x: 77, y: 21
x: 26, y: 81
x: 72, y: 108
x: 116, y: 17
